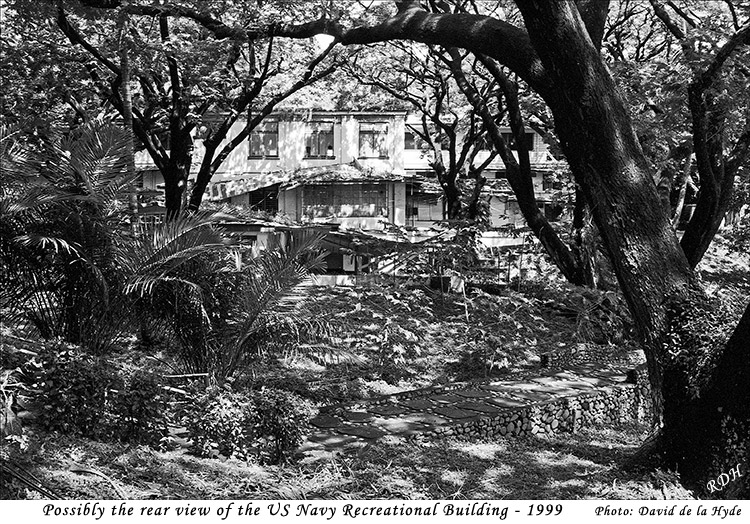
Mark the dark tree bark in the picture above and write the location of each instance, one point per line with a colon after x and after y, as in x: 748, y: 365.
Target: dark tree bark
x: 655, y: 276
x: 127, y: 111
x: 518, y: 173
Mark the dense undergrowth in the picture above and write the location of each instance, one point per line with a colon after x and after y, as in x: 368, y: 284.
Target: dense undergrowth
x: 93, y: 409
x: 379, y: 340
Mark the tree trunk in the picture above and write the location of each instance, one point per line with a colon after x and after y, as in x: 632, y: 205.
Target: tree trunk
x: 203, y: 178
x: 473, y: 207
x: 127, y: 112
x: 452, y: 201
x: 598, y: 139
x: 176, y: 173
x: 716, y: 182
x: 707, y: 408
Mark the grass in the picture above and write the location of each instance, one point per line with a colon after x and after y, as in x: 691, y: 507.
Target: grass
x: 592, y: 463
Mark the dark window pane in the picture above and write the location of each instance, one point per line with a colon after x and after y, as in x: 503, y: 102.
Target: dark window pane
x: 265, y: 199
x: 372, y: 140
x: 319, y: 140
x: 410, y: 140
x: 264, y: 140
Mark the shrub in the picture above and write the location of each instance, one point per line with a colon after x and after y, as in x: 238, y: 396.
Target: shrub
x: 141, y: 410
x: 215, y: 423
x: 75, y: 393
x: 265, y: 425
x: 83, y: 395
x: 279, y: 422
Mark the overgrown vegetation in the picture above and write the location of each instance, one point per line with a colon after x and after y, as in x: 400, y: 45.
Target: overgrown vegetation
x: 245, y: 351
x: 264, y: 426
x: 251, y: 424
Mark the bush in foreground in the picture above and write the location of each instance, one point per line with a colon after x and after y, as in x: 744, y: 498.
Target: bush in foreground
x: 264, y: 426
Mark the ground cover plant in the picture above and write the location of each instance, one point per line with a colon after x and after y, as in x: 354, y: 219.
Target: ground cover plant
x: 593, y: 463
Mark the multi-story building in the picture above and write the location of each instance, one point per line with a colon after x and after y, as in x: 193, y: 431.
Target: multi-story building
x: 357, y: 170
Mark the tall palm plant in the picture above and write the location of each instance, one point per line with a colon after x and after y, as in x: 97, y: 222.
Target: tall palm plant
x: 220, y: 306
x: 59, y: 214
x: 73, y: 268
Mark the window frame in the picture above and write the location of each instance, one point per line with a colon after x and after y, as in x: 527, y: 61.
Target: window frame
x: 314, y: 132
x: 341, y: 200
x: 260, y: 133
x: 382, y: 148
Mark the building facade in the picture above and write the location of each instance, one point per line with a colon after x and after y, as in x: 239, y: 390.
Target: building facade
x: 355, y: 170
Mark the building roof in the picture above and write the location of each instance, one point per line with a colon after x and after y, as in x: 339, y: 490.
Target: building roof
x: 337, y: 173
x: 233, y: 186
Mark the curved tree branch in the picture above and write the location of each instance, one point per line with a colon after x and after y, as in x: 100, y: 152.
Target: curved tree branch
x: 518, y: 174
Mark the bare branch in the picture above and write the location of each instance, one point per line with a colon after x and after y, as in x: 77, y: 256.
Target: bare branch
x: 667, y: 19
x: 741, y: 37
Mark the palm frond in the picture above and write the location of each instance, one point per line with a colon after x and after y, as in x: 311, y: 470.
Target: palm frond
x: 16, y: 164
x: 97, y: 153
x: 45, y: 243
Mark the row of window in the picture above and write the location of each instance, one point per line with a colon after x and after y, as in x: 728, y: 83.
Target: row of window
x: 412, y: 140
x: 264, y: 140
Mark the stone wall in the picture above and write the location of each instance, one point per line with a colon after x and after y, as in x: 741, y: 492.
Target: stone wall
x: 624, y: 403
x: 548, y: 403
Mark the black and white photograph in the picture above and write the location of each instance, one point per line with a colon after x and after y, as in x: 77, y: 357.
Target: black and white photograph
x: 325, y: 260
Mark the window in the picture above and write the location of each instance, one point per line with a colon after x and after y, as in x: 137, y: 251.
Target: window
x: 344, y: 200
x: 265, y: 199
x: 412, y: 140
x: 511, y: 141
x: 372, y: 140
x: 319, y: 140
x: 264, y: 140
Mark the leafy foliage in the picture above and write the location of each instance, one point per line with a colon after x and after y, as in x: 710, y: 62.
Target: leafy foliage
x: 74, y: 391
x: 85, y: 395
x: 219, y: 305
x: 59, y: 216
x: 280, y: 423
x: 75, y: 269
x: 265, y: 425
x: 215, y: 424
x: 142, y: 410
